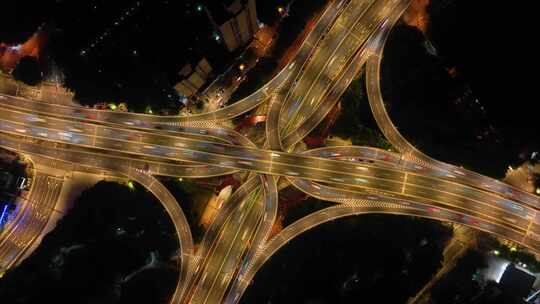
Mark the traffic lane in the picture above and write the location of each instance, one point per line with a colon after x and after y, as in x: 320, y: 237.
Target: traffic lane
x: 449, y: 198
x: 330, y: 70
x: 352, y: 14
x: 242, y: 243
x: 430, y: 181
x: 44, y: 194
x: 143, y: 150
x: 360, y: 33
x: 222, y: 250
x: 428, y: 196
x: 42, y: 121
x: 187, y: 133
x: 483, y: 197
x: 424, y: 175
x: 317, y: 114
x: 195, y: 133
x: 224, y: 213
x: 88, y: 140
x: 112, y: 144
x: 81, y: 156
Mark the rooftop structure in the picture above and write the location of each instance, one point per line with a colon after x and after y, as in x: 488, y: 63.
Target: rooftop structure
x: 516, y: 281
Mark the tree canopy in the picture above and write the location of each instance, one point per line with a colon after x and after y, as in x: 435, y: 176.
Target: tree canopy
x: 28, y: 71
x: 99, y: 252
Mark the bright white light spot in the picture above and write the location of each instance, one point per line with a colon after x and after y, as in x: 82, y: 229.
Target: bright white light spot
x: 15, y: 48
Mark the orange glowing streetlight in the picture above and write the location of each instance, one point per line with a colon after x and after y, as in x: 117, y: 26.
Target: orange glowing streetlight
x: 242, y: 67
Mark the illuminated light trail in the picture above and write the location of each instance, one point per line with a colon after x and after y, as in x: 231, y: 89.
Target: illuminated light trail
x: 362, y: 179
x: 4, y: 211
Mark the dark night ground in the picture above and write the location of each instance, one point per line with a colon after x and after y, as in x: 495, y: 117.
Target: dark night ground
x: 94, y: 253
x: 367, y: 259
x: 438, y: 113
x: 138, y: 60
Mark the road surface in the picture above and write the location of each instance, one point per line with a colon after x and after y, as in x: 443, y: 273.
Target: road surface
x: 361, y: 179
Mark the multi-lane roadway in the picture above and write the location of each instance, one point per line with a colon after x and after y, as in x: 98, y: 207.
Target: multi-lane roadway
x: 362, y: 179
x: 31, y: 220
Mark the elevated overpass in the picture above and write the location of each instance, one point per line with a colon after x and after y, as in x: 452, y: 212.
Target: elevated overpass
x: 360, y: 179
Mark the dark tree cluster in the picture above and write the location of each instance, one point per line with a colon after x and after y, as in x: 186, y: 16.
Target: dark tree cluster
x: 119, y: 51
x: 181, y: 191
x: 355, y: 121
x: 303, y: 208
x: 111, y: 247
x: 463, y: 98
x: 434, y: 111
x: 28, y: 71
x: 458, y: 286
x: 362, y: 259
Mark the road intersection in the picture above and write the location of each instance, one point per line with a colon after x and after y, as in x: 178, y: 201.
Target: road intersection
x: 349, y: 34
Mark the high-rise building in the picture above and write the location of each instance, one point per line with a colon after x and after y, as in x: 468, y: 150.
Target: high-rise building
x: 240, y: 28
x: 218, y: 26
x: 236, y: 21
x: 193, y: 77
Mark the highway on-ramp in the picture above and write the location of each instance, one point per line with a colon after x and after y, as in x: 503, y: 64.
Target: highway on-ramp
x: 360, y: 179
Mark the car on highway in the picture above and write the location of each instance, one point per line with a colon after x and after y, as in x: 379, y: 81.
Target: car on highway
x: 33, y: 118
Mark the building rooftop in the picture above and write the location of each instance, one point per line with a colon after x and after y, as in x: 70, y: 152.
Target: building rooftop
x: 516, y: 281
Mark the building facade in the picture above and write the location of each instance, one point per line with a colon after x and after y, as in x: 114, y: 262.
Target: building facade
x: 239, y: 30
x: 193, y: 78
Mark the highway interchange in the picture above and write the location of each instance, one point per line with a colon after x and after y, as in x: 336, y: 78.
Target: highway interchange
x: 349, y: 34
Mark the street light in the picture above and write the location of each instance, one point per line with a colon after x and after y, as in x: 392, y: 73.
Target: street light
x: 284, y: 12
x: 242, y: 67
